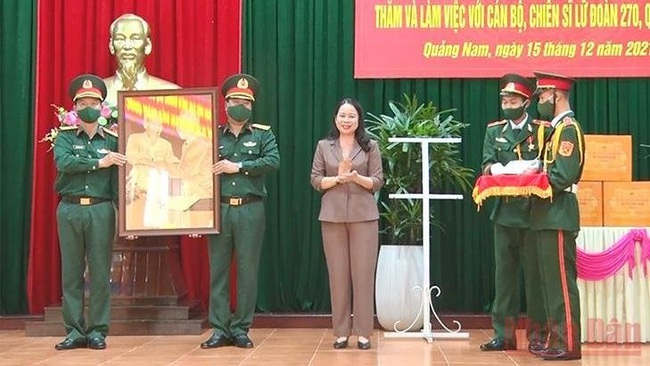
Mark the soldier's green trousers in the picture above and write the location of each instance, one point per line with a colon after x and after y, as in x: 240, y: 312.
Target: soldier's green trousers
x: 516, y: 248
x: 242, y: 231
x: 86, y: 233
x: 557, y: 255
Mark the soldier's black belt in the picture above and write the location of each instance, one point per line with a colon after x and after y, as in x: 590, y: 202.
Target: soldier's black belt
x: 238, y: 201
x: 84, y: 201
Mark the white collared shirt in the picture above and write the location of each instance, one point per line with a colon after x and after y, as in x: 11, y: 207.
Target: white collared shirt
x: 560, y: 117
x: 521, y: 124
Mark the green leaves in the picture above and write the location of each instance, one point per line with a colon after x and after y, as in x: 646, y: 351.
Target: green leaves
x: 402, y: 219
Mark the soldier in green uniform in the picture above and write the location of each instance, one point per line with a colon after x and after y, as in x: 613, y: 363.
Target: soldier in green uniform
x: 86, y: 161
x: 517, y: 137
x: 247, y: 153
x: 556, y: 222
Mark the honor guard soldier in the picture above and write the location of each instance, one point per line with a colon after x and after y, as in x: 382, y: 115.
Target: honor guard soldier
x: 517, y: 137
x: 86, y: 162
x: 557, y: 222
x: 247, y: 153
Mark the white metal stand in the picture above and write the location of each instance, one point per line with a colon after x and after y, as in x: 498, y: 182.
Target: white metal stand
x: 427, y: 303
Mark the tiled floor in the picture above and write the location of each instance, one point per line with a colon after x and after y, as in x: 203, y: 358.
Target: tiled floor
x: 296, y: 347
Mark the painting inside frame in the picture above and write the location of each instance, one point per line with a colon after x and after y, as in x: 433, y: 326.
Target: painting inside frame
x: 167, y: 186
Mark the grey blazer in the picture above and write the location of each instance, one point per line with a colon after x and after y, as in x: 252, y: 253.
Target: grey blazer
x: 347, y: 202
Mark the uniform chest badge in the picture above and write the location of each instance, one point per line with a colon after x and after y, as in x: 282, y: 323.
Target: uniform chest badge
x: 78, y: 147
x: 250, y: 143
x: 103, y: 151
x: 500, y: 139
x: 531, y: 146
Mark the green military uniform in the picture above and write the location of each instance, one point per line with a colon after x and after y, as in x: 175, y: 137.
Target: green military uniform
x: 255, y: 150
x: 86, y: 224
x: 556, y: 223
x: 514, y: 246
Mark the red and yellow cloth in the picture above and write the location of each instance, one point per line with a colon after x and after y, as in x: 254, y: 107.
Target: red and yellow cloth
x: 511, y: 185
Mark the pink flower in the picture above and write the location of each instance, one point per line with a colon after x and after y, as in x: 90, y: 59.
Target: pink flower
x: 71, y: 119
x: 113, y: 127
x: 105, y: 112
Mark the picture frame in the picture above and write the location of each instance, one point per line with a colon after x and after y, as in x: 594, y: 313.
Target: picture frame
x: 167, y: 186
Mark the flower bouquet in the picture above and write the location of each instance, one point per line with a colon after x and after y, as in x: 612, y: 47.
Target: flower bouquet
x: 107, y: 119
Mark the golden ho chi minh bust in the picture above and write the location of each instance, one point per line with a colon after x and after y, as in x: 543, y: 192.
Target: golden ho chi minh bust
x: 130, y: 43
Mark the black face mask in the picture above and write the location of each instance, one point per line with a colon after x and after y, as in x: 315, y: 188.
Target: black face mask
x: 514, y: 114
x: 546, y: 109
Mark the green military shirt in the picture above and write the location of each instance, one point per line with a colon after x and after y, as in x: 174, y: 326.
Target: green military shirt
x: 564, y: 158
x: 503, y: 144
x: 255, y: 148
x: 77, y: 163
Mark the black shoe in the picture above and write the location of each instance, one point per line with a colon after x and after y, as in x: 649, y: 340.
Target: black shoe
x: 363, y: 345
x: 71, y: 344
x: 96, y: 343
x: 242, y: 341
x: 341, y: 344
x: 499, y: 345
x: 536, y: 347
x: 217, y: 340
x: 553, y: 354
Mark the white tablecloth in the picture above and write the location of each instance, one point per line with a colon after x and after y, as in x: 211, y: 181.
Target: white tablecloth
x: 616, y: 309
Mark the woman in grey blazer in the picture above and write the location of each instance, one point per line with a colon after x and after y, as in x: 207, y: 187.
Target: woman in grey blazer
x: 347, y: 170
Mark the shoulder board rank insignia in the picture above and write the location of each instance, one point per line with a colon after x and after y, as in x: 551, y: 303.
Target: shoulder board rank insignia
x: 568, y: 121
x: 261, y: 127
x: 110, y: 132
x: 68, y: 128
x: 497, y: 123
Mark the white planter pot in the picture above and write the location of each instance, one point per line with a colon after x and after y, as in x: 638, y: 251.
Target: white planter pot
x: 399, y: 270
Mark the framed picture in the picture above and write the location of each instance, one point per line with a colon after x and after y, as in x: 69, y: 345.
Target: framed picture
x: 169, y: 138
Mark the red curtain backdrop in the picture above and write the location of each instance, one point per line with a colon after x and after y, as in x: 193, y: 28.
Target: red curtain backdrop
x: 195, y: 43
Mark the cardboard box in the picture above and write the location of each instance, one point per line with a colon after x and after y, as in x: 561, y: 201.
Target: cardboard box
x: 608, y: 158
x: 590, y: 199
x: 626, y: 203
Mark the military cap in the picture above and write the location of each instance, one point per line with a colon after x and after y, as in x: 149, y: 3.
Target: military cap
x: 516, y: 84
x: 547, y: 80
x: 242, y: 86
x: 87, y: 85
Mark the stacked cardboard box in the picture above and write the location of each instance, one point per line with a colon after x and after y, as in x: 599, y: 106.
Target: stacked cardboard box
x: 606, y: 193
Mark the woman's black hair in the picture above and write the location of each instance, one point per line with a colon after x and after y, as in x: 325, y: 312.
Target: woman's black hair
x: 360, y: 134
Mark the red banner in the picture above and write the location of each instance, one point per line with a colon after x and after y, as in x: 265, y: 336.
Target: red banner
x: 475, y: 38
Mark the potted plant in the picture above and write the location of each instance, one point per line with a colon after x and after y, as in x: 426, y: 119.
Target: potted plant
x: 399, y: 268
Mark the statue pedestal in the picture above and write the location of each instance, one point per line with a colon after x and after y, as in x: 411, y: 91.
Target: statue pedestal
x: 147, y: 271
x: 147, y: 287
